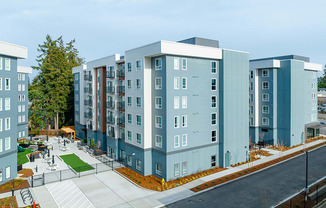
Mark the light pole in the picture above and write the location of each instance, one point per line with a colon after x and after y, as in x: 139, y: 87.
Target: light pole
x: 306, y: 188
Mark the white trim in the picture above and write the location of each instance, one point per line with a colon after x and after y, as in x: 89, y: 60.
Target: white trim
x: 13, y: 50
x: 24, y: 69
x: 313, y: 67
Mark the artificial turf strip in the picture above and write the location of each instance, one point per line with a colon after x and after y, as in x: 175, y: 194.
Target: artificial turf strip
x: 21, y: 156
x: 75, y: 163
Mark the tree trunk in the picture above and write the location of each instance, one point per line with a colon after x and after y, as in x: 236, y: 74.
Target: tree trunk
x: 57, y: 123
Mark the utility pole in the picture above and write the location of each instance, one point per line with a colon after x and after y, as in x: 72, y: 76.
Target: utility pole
x: 306, y: 191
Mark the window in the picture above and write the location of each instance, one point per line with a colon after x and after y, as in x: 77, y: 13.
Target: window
x: 184, y: 121
x: 0, y: 150
x: 158, y: 141
x: 7, y: 123
x: 251, y: 74
x: 176, y: 121
x: 251, y: 86
x: 176, y: 63
x: 19, y: 119
x: 138, y: 65
x: 158, y: 168
x: 213, y: 84
x: 129, y: 135
x: 158, y: 102
x: 184, y: 83
x: 23, y: 97
x: 251, y: 121
x: 138, y: 165
x: 214, y: 104
x: 23, y: 133
x: 184, y: 139
x: 158, y: 83
x: 7, y: 84
x: 7, y: 64
x: 129, y: 84
x: 7, y: 143
x: 265, y: 85
x: 184, y: 64
x: 23, y: 108
x: 0, y: 124
x: 0, y: 104
x: 176, y: 169
x: 0, y: 68
x: 129, y: 160
x: 265, y: 121
x: 138, y: 102
x: 184, y: 168
x: 214, y: 136
x: 23, y: 118
x: 138, y: 137
x: 19, y: 98
x: 176, y: 102
x: 176, y: 141
x: 129, y: 101
x: 265, y: 73
x: 158, y: 64
x: 7, y: 172
x: 0, y: 83
x: 129, y: 118
x: 265, y: 97
x: 7, y: 103
x: 129, y: 66
x: 213, y: 160
x: 176, y: 83
x: 138, y: 83
x: 213, y: 69
x: 19, y: 87
x: 214, y: 117
x: 184, y: 101
x: 158, y: 121
x: 265, y: 109
x: 138, y: 118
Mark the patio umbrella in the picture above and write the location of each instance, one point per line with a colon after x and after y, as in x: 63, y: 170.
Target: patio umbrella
x: 52, y: 159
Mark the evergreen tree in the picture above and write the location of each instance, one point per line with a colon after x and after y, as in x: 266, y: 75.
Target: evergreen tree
x: 52, y: 89
x: 322, y: 80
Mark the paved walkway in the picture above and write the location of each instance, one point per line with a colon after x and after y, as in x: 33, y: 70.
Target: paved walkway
x: 110, y: 189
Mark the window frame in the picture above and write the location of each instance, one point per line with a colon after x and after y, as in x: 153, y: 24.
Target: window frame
x: 157, y: 143
x: 182, y: 140
x: 264, y: 111
x: 158, y: 124
x: 176, y: 102
x: 212, y: 102
x: 184, y: 102
x: 214, y: 136
x: 265, y: 87
x: 262, y: 97
x: 184, y: 67
x: 176, y: 169
x: 265, y: 123
x: 212, y: 68
x: 265, y: 73
x: 158, y: 87
x: 214, y: 121
x: 213, y: 86
x: 157, y: 104
x: 137, y: 141
x: 176, y: 141
x: 184, y: 121
x: 184, y: 87
x: 176, y: 82
x: 157, y: 65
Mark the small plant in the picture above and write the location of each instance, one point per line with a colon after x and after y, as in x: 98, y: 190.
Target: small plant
x: 227, y: 177
x: 206, y: 184
x: 246, y: 171
x: 213, y: 182
x: 197, y: 187
x: 139, y: 182
x: 240, y: 173
x: 220, y: 179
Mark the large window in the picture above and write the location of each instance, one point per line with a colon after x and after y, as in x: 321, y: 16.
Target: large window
x: 129, y: 118
x: 184, y: 140
x: 176, y: 141
x: 214, y: 118
x: 129, y: 135
x: 138, y: 102
x: 176, y: 83
x: 138, y: 84
x: 158, y: 64
x: 214, y: 136
x: 0, y: 104
x: 0, y: 124
x: 214, y: 103
x: 184, y: 64
x: 265, y: 97
x: 176, y: 102
x: 158, y: 121
x: 184, y: 101
x: 158, y: 168
x: 138, y: 137
x: 138, y: 165
x: 7, y: 84
x: 176, y: 169
x: 7, y: 172
x: 7, y: 64
x: 129, y: 84
x: 158, y: 102
x: 158, y: 83
x: 7, y: 123
x: 129, y: 66
x: 0, y: 83
x: 7, y: 103
x: 158, y: 141
x: 214, y: 87
x: 176, y: 121
x: 265, y: 85
x: 184, y: 121
x: 138, y: 117
x: 265, y: 109
x: 7, y: 143
x: 265, y: 73
x: 184, y: 83
x: 176, y: 63
x: 265, y: 121
x: 129, y: 101
x: 138, y: 65
x: 213, y: 69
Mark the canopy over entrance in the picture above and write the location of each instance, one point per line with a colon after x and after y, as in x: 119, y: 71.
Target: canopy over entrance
x: 68, y: 130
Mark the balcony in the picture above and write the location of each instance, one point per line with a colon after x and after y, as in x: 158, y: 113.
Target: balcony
x: 88, y: 90
x: 111, y: 133
x: 121, y: 89
x: 110, y: 74
x: 121, y: 73
x: 121, y: 105
x: 122, y: 136
x: 110, y: 120
x: 110, y: 89
x: 110, y: 104
x: 88, y: 114
x: 90, y: 125
x: 88, y: 77
x: 88, y: 102
x: 121, y: 121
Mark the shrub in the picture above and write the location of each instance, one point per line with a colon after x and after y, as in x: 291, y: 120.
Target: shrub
x: 227, y: 177
x: 213, y: 182
x: 206, y: 184
x: 197, y: 187
x: 246, y: 171
x: 220, y: 179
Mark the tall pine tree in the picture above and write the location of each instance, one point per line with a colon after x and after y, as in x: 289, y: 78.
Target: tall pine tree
x: 52, y: 90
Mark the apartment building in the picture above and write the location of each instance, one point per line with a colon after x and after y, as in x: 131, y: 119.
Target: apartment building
x: 168, y: 109
x: 13, y: 107
x: 283, y: 99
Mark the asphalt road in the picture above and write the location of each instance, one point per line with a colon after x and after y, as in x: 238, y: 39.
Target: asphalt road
x: 262, y: 189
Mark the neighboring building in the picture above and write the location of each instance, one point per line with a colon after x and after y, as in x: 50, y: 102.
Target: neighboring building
x: 283, y: 99
x: 169, y: 109
x: 12, y: 87
x: 321, y: 96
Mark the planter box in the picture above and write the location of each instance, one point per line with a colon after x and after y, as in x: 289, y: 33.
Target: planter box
x: 98, y: 152
x: 42, y: 148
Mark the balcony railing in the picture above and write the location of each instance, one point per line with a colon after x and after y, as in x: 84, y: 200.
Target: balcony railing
x: 121, y: 89
x: 122, y: 136
x: 110, y: 120
x: 121, y: 105
x: 88, y: 77
x: 88, y: 102
x: 110, y: 74
x: 88, y: 90
x: 110, y: 89
x: 121, y: 121
x: 111, y: 133
x: 121, y: 73
x: 110, y: 104
x: 88, y: 114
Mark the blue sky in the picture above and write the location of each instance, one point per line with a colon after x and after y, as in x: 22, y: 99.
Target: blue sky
x: 104, y: 27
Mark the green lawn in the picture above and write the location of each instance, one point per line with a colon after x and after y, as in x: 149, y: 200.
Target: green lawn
x: 77, y: 164
x: 21, y: 156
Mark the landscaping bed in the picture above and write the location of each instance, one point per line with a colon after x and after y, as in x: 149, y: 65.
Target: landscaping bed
x: 22, y: 158
x: 238, y: 174
x: 154, y: 183
x: 9, y: 202
x: 26, y: 173
x: 76, y: 163
x: 19, y: 184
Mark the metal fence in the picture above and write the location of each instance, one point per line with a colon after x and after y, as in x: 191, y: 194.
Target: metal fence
x: 55, y: 176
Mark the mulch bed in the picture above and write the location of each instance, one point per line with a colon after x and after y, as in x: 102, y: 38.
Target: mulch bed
x: 154, y: 183
x: 9, y: 202
x: 238, y: 174
x: 19, y: 184
x: 26, y: 173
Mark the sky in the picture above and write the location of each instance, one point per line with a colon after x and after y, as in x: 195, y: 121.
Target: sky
x: 104, y: 27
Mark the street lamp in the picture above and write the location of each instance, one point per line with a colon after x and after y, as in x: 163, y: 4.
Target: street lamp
x: 306, y: 188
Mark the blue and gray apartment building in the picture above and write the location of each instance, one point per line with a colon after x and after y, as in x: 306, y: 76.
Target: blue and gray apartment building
x: 168, y: 109
x: 13, y: 107
x: 283, y: 100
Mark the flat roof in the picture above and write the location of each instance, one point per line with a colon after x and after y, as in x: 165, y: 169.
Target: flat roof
x: 13, y: 50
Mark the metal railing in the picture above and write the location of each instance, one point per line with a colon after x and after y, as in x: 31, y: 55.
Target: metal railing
x: 88, y: 114
x: 110, y: 74
x: 110, y: 120
x: 88, y: 90
x: 121, y: 89
x: 110, y: 89
x: 121, y: 121
x: 110, y: 104
x: 121, y: 105
x: 88, y: 102
x: 88, y: 77
x: 121, y: 73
